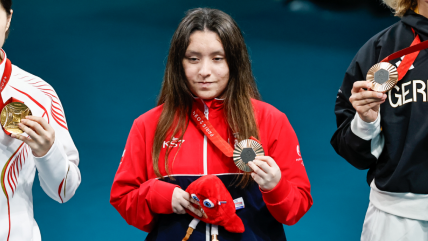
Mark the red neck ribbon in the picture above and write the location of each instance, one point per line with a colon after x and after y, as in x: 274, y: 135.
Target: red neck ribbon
x: 4, y: 80
x: 205, y: 126
x: 409, y: 54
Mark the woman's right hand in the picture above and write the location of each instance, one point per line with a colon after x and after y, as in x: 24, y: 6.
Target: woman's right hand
x: 181, y: 200
x: 366, y: 102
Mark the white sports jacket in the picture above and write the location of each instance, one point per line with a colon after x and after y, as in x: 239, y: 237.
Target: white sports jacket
x: 58, y: 172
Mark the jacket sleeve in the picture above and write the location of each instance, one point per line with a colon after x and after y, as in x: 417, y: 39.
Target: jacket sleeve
x: 137, y: 198
x: 59, y: 173
x: 291, y: 198
x: 347, y: 140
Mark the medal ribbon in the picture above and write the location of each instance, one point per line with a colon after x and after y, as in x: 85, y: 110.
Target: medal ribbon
x: 5, y: 79
x: 207, y: 128
x: 410, y: 54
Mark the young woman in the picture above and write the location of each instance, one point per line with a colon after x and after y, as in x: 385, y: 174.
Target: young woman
x: 209, y: 69
x: 46, y: 146
x: 387, y: 133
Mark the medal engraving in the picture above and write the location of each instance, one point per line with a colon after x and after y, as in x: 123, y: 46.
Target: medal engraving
x: 248, y: 155
x: 12, y: 114
x: 245, y: 152
x: 383, y: 76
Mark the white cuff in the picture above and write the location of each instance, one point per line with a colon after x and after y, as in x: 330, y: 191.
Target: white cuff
x: 365, y: 130
x: 52, y: 168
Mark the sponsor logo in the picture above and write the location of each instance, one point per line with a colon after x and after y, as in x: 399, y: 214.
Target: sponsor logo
x: 300, y: 154
x: 174, y: 143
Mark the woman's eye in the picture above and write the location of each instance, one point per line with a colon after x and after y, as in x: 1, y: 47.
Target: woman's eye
x: 208, y: 203
x: 218, y: 59
x: 192, y: 59
x: 195, y: 197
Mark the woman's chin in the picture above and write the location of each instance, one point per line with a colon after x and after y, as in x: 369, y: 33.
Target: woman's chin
x: 206, y: 96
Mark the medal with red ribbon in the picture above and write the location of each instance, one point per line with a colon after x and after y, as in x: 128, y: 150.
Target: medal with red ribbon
x: 245, y: 150
x: 384, y: 75
x: 13, y: 110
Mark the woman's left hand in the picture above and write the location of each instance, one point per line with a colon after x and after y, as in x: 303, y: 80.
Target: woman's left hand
x: 266, y: 172
x: 41, y: 135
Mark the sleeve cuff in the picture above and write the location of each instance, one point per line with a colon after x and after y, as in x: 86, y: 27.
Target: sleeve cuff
x: 161, y: 197
x: 278, y: 194
x: 49, y: 153
x: 365, y: 130
x: 53, y: 166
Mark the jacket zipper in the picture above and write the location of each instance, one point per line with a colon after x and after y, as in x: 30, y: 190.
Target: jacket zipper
x: 205, y: 158
x: 206, y: 112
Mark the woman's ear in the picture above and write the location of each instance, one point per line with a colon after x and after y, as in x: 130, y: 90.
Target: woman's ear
x: 9, y: 19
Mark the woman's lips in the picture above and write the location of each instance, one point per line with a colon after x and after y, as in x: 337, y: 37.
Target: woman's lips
x: 205, y: 84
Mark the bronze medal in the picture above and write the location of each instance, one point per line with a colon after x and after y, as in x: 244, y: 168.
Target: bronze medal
x: 12, y: 114
x: 245, y: 151
x: 383, y: 76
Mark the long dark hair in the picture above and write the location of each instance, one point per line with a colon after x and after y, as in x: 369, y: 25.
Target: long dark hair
x: 176, y: 96
x: 7, y: 5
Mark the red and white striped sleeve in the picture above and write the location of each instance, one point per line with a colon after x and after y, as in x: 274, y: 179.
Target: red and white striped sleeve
x: 58, y: 170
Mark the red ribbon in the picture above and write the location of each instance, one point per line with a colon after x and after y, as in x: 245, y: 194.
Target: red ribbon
x: 4, y: 80
x: 207, y: 128
x: 410, y: 54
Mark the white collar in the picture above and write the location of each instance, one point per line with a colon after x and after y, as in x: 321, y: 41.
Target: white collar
x: 3, y: 62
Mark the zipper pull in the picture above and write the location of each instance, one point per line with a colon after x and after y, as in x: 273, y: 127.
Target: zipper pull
x: 206, y: 110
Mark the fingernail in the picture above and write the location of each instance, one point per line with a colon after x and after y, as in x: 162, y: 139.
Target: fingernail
x: 379, y: 95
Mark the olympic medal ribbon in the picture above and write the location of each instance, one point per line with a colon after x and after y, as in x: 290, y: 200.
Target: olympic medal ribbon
x: 5, y: 79
x: 207, y: 128
x: 410, y: 54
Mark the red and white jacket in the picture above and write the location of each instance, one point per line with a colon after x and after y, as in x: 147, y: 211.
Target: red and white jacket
x: 58, y: 172
x: 144, y: 201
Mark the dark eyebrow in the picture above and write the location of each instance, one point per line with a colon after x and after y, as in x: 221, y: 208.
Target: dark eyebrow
x: 192, y: 53
x: 220, y: 52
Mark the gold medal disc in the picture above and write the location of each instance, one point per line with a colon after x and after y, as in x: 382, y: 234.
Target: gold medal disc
x: 12, y: 114
x: 245, y: 152
x: 383, y: 76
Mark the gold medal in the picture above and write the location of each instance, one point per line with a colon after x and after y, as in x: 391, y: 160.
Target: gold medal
x: 383, y: 76
x: 245, y: 152
x: 12, y: 114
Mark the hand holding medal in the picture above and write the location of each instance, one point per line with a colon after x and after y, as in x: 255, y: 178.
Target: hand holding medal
x: 249, y: 156
x: 266, y: 172
x: 381, y: 78
x: 41, y: 135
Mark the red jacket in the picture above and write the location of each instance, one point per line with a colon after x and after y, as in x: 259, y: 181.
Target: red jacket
x: 141, y: 198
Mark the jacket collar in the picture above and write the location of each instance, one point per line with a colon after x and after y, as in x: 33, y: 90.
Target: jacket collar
x: 214, y: 104
x: 3, y: 62
x: 418, y: 22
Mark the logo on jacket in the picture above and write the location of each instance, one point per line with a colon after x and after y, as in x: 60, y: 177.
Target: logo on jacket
x: 404, y: 93
x: 174, y: 143
x: 121, y: 159
x: 300, y: 155
x: 399, y: 62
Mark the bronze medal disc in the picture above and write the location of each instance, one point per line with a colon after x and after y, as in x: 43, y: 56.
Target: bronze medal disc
x: 245, y: 151
x: 12, y: 114
x: 383, y: 76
